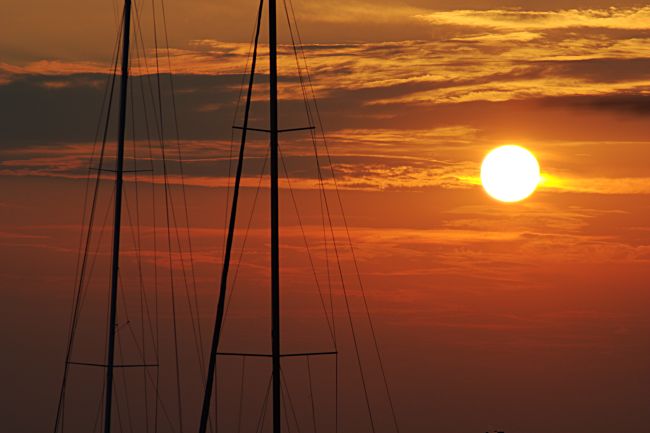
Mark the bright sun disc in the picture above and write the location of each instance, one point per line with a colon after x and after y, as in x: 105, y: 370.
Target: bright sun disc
x: 510, y: 173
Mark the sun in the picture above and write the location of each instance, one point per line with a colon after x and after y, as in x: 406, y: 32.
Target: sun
x: 510, y: 173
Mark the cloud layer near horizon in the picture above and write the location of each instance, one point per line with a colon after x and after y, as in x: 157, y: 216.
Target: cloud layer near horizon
x: 404, y: 122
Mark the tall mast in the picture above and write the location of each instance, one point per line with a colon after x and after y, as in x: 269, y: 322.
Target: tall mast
x: 275, y: 250
x: 216, y: 334
x: 119, y: 172
x: 275, y: 241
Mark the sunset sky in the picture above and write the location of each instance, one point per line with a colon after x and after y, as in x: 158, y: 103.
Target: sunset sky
x: 529, y: 317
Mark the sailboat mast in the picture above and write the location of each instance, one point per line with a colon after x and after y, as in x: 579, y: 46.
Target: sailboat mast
x: 119, y: 174
x: 275, y: 238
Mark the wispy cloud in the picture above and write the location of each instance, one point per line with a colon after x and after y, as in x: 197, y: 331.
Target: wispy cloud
x: 521, y: 20
x: 351, y: 12
x: 496, y: 55
x: 363, y: 159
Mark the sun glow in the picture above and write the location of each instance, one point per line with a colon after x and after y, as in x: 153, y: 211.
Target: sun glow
x: 510, y: 173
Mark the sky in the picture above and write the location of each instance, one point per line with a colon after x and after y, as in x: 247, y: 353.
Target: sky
x: 527, y: 317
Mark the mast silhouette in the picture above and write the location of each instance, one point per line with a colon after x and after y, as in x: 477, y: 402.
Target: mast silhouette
x: 216, y: 335
x: 119, y: 174
x: 273, y: 130
x: 275, y: 235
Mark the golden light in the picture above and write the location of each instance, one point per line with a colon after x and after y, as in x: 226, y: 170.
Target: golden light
x: 510, y: 173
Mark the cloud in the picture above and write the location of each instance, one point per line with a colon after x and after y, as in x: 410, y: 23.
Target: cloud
x: 476, y: 64
x: 517, y: 89
x: 20, y: 236
x: 363, y: 159
x: 351, y: 12
x: 632, y: 103
x: 525, y: 20
x: 390, y: 105
x: 524, y: 36
x: 598, y: 185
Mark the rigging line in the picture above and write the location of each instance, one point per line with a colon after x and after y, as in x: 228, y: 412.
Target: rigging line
x: 137, y: 238
x: 321, y: 197
x: 107, y: 312
x: 347, y: 305
x: 91, y: 161
x: 336, y: 393
x: 285, y: 386
x: 139, y: 349
x: 119, y: 415
x: 232, y: 137
x: 193, y: 314
x: 312, y: 132
x: 141, y: 46
x: 262, y: 417
x: 151, y: 379
x: 241, y: 393
x: 102, y: 407
x: 136, y: 234
x: 82, y: 268
x: 183, y: 189
x: 96, y: 253
x: 365, y: 304
x: 321, y: 192
x: 156, y: 288
x: 304, y: 236
x: 153, y: 189
x: 326, y: 146
x: 169, y: 237
x: 233, y: 284
x: 100, y: 402
x: 148, y: 74
x: 98, y: 414
x: 378, y: 352
x: 173, y: 296
x: 215, y: 390
x: 287, y: 420
x: 349, y: 314
x: 83, y: 282
x: 136, y: 244
x: 323, y: 200
x: 311, y: 395
x: 158, y: 128
x: 81, y: 293
x: 183, y: 271
x: 173, y: 299
x: 155, y: 335
x: 205, y: 411
x: 120, y: 355
x: 194, y: 319
x: 139, y: 248
x: 355, y: 262
x: 327, y: 263
x: 135, y: 340
x: 125, y: 309
x: 121, y: 360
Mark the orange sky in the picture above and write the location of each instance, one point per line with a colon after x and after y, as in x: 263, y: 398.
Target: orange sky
x: 527, y: 317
